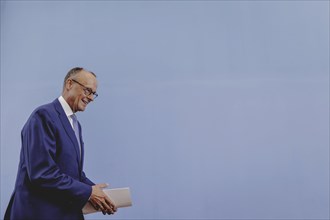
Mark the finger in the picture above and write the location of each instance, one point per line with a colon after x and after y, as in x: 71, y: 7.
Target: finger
x: 110, y: 203
x: 100, y: 206
x: 110, y: 212
x: 105, y: 205
x: 112, y: 209
x: 108, y: 200
x: 95, y: 204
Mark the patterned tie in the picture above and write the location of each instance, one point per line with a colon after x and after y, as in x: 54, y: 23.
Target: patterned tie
x: 76, y: 130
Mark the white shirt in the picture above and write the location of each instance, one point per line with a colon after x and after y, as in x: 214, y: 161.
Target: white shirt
x: 68, y: 111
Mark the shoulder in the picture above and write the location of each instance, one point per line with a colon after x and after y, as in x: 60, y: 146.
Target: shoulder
x: 43, y: 117
x: 45, y: 111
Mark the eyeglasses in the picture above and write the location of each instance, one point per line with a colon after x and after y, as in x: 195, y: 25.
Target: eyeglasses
x: 87, y: 91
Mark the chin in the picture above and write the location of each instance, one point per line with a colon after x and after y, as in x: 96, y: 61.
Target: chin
x: 82, y: 109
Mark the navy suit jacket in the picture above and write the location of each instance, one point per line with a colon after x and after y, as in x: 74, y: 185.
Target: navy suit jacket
x: 50, y: 181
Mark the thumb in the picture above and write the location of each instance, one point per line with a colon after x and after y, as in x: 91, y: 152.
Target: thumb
x: 102, y: 185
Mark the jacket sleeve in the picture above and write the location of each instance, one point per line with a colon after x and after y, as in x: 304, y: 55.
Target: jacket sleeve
x: 39, y: 147
x: 84, y: 179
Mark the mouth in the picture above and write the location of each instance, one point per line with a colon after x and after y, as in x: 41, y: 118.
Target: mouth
x: 85, y: 101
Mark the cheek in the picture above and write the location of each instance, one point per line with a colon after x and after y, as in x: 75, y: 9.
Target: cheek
x: 78, y: 100
x: 80, y: 97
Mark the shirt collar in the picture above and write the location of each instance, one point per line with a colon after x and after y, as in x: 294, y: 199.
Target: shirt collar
x: 68, y: 111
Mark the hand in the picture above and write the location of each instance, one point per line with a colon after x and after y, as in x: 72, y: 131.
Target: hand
x: 101, y: 201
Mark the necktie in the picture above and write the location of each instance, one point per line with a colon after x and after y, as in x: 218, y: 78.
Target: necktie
x: 76, y: 130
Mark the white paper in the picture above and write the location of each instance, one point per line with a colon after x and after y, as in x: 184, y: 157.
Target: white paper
x: 121, y: 197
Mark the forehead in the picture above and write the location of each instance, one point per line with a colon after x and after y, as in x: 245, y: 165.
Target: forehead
x: 88, y: 79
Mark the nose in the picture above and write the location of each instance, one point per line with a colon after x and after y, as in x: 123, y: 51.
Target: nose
x: 90, y: 97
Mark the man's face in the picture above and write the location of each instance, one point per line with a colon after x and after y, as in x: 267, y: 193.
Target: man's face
x: 77, y: 98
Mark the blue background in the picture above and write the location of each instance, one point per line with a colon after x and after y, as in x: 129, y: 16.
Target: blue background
x: 207, y: 109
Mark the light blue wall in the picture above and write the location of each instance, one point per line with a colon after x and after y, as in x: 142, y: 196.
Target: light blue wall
x: 207, y: 109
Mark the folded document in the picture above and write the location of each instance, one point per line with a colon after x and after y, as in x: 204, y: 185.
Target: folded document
x: 121, y: 197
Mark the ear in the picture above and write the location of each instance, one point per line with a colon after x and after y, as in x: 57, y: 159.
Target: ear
x: 68, y: 84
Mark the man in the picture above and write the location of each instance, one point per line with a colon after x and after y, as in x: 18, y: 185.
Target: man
x: 50, y: 182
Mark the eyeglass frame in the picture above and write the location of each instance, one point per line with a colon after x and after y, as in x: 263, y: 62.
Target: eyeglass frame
x: 87, y: 91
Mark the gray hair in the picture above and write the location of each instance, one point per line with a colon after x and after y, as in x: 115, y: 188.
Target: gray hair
x: 74, y: 71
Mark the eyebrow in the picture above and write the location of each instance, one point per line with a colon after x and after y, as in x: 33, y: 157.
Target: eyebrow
x: 85, y: 87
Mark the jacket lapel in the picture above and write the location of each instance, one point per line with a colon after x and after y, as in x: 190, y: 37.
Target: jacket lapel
x: 82, y: 146
x: 67, y: 127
